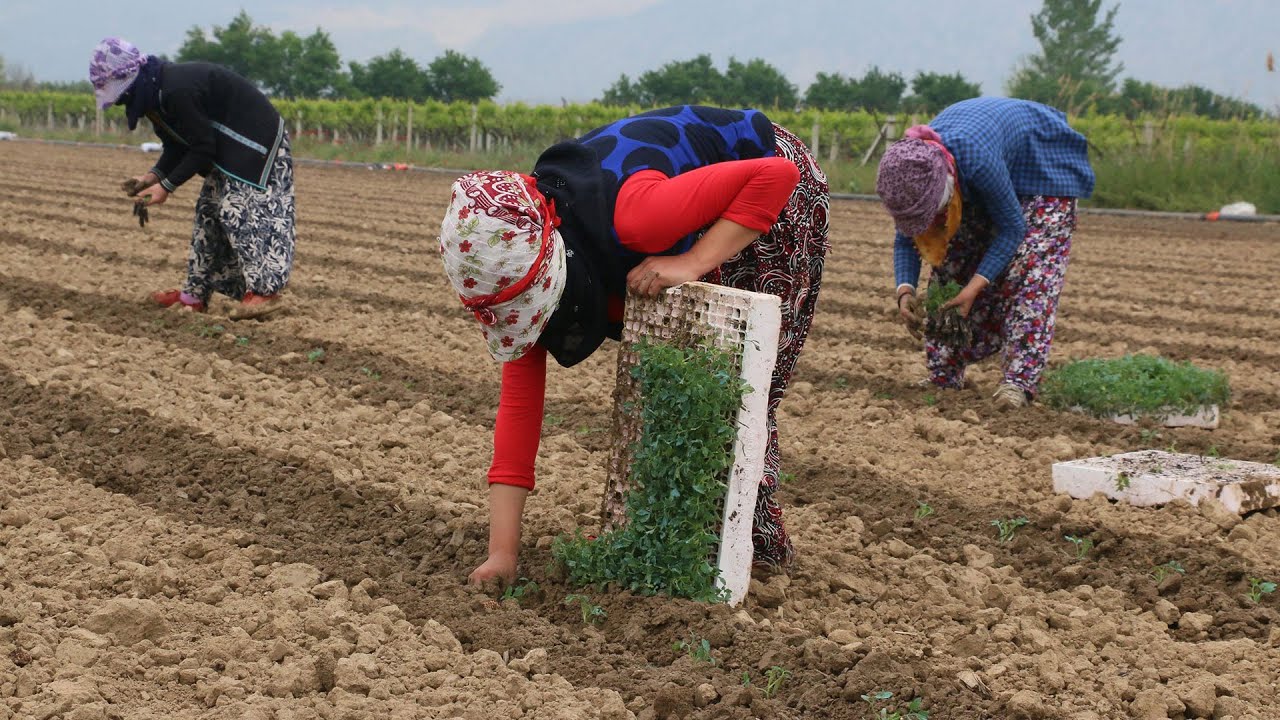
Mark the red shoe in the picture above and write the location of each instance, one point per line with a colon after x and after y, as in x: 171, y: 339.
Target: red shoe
x: 169, y: 298
x: 256, y: 306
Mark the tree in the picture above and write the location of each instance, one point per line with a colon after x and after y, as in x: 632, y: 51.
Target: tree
x: 681, y: 81
x: 310, y: 66
x: 757, y: 84
x: 454, y: 76
x: 253, y: 52
x: 879, y: 91
x: 1075, y: 65
x: 622, y: 92
x: 931, y: 92
x: 394, y: 75
x: 830, y: 92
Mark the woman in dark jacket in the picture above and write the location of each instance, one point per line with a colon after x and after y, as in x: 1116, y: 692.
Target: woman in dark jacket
x: 214, y: 123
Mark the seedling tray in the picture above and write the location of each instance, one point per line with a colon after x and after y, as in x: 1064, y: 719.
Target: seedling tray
x: 1154, y: 477
x: 740, y: 321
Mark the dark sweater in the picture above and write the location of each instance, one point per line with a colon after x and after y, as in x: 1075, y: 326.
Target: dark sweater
x: 210, y: 117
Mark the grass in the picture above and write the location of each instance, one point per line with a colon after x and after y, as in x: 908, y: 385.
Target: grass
x: 1134, y: 385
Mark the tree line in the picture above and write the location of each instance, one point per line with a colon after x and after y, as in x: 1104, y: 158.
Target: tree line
x: 1074, y: 70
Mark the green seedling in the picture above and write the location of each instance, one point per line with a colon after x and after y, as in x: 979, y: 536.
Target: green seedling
x: 930, y: 399
x: 1122, y: 481
x: 774, y: 678
x: 948, y: 326
x: 518, y: 592
x: 206, y: 331
x: 1009, y: 527
x: 1164, y: 570
x: 786, y: 477
x: 689, y: 399
x: 923, y: 510
x: 242, y: 341
x: 884, y: 395
x: 746, y: 679
x: 841, y: 382
x: 1276, y: 462
x: 1150, y: 435
x: 1213, y: 452
x: 592, y: 614
x: 1083, y: 545
x: 553, y: 420
x: 371, y: 374
x: 914, y: 710
x: 1134, y: 385
x: 698, y: 649
x: 315, y: 355
x: 408, y: 384
x: 1259, y: 587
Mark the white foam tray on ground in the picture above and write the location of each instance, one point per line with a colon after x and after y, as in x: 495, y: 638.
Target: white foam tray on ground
x: 1155, y: 477
x: 1207, y: 417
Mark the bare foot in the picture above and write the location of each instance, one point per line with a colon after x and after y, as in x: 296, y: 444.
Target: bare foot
x: 497, y: 569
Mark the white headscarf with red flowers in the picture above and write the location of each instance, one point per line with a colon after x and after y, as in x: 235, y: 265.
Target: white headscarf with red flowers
x: 504, y: 257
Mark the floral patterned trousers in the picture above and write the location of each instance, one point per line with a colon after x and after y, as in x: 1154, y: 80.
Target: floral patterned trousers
x: 243, y: 236
x: 787, y: 261
x: 1016, y: 312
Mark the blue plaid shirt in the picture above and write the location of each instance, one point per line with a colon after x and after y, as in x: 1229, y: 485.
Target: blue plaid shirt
x: 1004, y: 149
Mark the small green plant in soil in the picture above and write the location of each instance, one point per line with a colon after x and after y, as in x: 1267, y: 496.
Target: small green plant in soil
x: 242, y: 341
x: 1123, y: 481
x: 882, y: 710
x: 1134, y: 385
x: 1008, y: 527
x: 1083, y: 545
x: 746, y: 679
x: 592, y: 614
x: 689, y: 402
x: 930, y: 399
x: 1164, y: 570
x: 371, y: 374
x: 206, y: 331
x: 923, y: 510
x: 774, y: 678
x: 698, y: 648
x: 526, y: 588
x: 1259, y: 587
x: 315, y: 355
x: 948, y: 326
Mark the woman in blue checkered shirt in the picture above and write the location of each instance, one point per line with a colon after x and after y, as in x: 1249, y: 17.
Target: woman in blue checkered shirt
x: 986, y: 194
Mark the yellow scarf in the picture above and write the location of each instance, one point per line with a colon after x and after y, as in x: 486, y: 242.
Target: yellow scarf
x: 932, y: 243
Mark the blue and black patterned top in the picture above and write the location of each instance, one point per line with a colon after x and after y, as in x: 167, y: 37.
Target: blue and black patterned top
x: 1005, y: 149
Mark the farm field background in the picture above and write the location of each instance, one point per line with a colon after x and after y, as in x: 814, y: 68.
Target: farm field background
x: 274, y: 519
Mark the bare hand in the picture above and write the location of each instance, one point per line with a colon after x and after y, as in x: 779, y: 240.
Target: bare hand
x: 963, y: 302
x: 154, y: 195
x: 135, y: 185
x: 660, y: 272
x: 498, y: 568
x: 910, y: 314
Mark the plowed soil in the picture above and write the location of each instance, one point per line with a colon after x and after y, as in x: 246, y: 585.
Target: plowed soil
x: 204, y: 518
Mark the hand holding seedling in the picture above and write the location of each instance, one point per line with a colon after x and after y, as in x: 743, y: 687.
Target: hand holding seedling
x: 153, y: 195
x: 963, y: 302
x: 909, y: 312
x: 134, y: 185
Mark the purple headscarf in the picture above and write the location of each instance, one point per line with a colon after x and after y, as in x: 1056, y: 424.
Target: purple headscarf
x: 912, y: 179
x: 113, y: 69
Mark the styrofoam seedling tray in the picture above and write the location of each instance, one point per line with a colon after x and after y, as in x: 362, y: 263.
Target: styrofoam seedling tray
x: 1205, y: 417
x: 736, y: 320
x: 1154, y: 477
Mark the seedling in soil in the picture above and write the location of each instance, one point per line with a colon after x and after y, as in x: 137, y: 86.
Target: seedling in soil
x: 1007, y: 528
x: 786, y: 477
x: 1122, y: 481
x: 1134, y: 385
x: 774, y: 678
x: 841, y: 382
x: 746, y: 679
x: 206, y: 331
x: 914, y: 710
x: 1259, y: 587
x: 554, y: 420
x: 1149, y: 435
x: 1213, y: 452
x: 930, y: 399
x: 1160, y: 572
x: 315, y: 355
x: 884, y: 396
x: 923, y: 510
x: 408, y: 384
x: 242, y: 341
x: 947, y: 326
x: 371, y: 374
x: 1083, y: 545
x: 592, y: 614
x: 698, y: 649
x: 526, y: 587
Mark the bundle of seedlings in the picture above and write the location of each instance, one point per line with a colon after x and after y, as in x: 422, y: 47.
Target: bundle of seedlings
x: 1134, y: 385
x: 689, y: 400
x: 132, y: 187
x: 947, y: 325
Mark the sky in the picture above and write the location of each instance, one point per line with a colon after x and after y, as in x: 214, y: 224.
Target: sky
x: 548, y: 51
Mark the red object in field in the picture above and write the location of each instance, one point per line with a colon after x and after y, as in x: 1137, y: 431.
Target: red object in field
x: 1211, y: 215
x: 400, y: 166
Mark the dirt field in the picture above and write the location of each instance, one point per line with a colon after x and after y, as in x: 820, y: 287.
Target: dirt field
x: 208, y: 518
